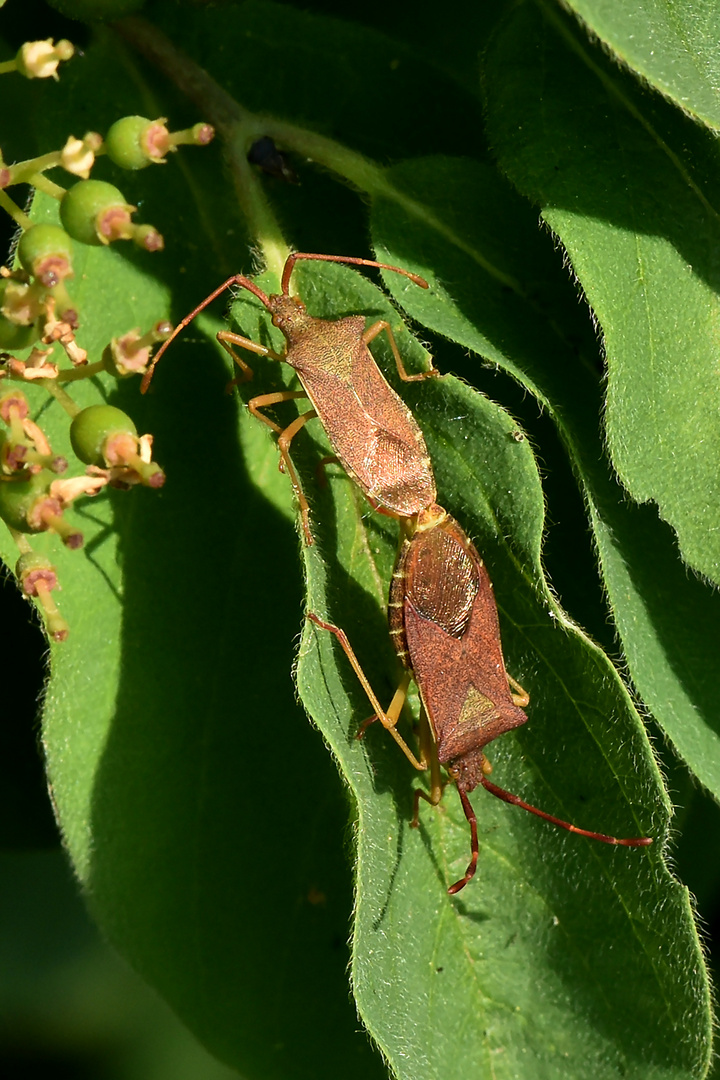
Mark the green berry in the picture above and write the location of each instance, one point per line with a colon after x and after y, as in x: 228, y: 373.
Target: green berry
x: 28, y: 507
x: 94, y: 212
x: 91, y: 429
x: 12, y: 455
x: 38, y: 577
x: 134, y: 142
x: 45, y: 251
x: 30, y: 561
x: 18, y: 498
x: 16, y: 337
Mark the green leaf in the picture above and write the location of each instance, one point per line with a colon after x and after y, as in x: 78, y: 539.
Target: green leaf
x: 673, y: 48
x: 627, y: 184
x: 482, y: 971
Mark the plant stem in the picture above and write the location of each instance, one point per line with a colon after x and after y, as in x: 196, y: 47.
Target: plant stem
x: 85, y: 372
x: 14, y: 211
x: 42, y: 183
x: 239, y: 128
x: 62, y: 398
x: 20, y: 539
x: 21, y: 171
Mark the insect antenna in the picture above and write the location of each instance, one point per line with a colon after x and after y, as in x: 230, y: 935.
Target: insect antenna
x: 348, y: 259
x: 236, y: 279
x: 515, y: 800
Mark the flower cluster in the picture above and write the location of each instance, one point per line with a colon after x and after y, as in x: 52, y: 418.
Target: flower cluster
x: 37, y: 312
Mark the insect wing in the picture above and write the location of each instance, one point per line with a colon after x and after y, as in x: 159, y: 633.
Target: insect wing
x: 371, y: 429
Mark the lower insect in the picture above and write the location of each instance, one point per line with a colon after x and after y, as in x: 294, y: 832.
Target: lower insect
x: 444, y: 626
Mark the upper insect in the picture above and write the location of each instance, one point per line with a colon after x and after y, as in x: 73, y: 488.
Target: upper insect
x: 372, y: 432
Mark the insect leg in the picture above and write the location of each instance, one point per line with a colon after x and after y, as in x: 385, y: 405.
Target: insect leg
x: 320, y: 474
x: 286, y: 437
x: 393, y: 712
x: 257, y: 403
x: 236, y: 279
x: 388, y: 719
x: 428, y: 752
x: 474, y: 846
x: 377, y: 328
x: 521, y: 698
x: 227, y: 339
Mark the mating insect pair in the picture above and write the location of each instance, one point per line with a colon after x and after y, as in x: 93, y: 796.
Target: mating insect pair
x: 443, y: 617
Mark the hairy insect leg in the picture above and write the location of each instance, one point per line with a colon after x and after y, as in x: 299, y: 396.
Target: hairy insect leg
x: 320, y: 474
x: 515, y: 800
x: 263, y: 400
x: 227, y: 339
x: 428, y: 752
x: 388, y: 719
x: 377, y: 328
x: 286, y: 437
x: 521, y: 698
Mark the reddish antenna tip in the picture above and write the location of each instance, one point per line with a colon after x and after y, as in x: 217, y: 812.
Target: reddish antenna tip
x: 459, y: 885
x: 147, y: 377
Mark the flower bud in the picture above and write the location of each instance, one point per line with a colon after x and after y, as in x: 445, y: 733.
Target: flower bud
x: 40, y: 59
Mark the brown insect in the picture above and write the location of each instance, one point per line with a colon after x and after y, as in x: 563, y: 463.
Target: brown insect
x: 444, y: 626
x: 373, y: 433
